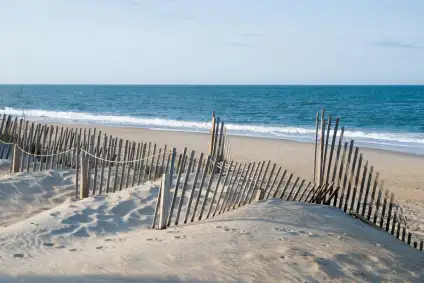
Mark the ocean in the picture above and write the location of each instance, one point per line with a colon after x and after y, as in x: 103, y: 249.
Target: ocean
x: 385, y: 117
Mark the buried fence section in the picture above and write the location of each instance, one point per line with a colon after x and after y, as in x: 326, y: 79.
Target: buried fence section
x: 356, y: 188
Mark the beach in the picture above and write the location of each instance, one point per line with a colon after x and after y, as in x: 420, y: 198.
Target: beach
x: 148, y: 142
x: 111, y: 235
x: 106, y: 238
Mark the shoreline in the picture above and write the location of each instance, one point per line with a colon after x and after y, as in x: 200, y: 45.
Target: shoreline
x: 300, y: 141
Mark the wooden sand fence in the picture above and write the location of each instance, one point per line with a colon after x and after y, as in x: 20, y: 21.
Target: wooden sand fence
x: 214, y: 184
x: 205, y: 186
x: 205, y: 193
x: 346, y: 181
x: 357, y: 187
x: 102, y: 163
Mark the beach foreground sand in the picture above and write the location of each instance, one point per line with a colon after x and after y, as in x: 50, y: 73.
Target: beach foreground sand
x: 106, y: 239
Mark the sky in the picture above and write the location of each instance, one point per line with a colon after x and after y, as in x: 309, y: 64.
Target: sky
x: 212, y: 42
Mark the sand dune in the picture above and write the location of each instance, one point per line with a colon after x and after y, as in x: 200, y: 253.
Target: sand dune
x: 25, y: 194
x: 106, y: 239
x: 51, y: 217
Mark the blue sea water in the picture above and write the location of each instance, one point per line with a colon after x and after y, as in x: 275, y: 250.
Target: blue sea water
x: 387, y: 117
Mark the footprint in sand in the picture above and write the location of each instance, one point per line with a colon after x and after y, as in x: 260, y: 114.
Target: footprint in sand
x: 310, y: 234
x: 283, y: 239
x: 60, y: 247
x: 290, y: 232
x: 99, y: 248
x: 18, y: 255
x: 180, y: 237
x: 48, y: 244
x: 55, y: 214
x: 73, y: 250
x: 228, y: 229
x: 108, y: 240
x: 153, y: 239
x: 295, y: 233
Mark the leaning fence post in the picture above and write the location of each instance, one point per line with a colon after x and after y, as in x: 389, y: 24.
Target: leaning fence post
x: 321, y: 152
x: 16, y: 159
x: 77, y: 165
x: 211, y: 146
x: 260, y: 193
x: 84, y: 177
x: 164, y: 193
x: 173, y: 156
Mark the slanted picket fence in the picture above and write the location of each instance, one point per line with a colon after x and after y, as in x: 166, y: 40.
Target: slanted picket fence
x: 360, y: 192
x: 345, y: 181
x: 203, y: 193
x: 199, y: 188
x: 102, y: 163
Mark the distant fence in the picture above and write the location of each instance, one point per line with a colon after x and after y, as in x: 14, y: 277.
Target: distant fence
x: 359, y: 191
x: 219, y: 146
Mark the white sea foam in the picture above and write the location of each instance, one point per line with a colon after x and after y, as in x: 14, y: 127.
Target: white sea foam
x: 410, y: 142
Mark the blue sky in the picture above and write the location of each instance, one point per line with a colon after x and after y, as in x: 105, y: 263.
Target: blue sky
x: 212, y: 41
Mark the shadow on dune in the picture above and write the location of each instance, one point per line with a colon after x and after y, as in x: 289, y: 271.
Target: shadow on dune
x: 99, y: 279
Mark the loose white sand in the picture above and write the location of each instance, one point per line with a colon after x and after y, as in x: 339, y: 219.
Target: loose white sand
x: 26, y: 194
x: 106, y: 239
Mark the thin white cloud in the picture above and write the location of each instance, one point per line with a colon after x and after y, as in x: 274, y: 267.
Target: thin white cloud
x: 397, y: 44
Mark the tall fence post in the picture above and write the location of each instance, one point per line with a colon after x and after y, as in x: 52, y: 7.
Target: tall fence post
x: 321, y: 140
x: 211, y: 146
x: 164, y: 194
x: 84, y: 177
x: 77, y: 165
x: 316, y: 145
x: 16, y: 159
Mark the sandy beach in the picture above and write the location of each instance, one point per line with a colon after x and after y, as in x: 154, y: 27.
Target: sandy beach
x: 106, y: 238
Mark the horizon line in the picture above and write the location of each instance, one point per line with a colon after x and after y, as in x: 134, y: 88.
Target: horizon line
x: 199, y: 84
